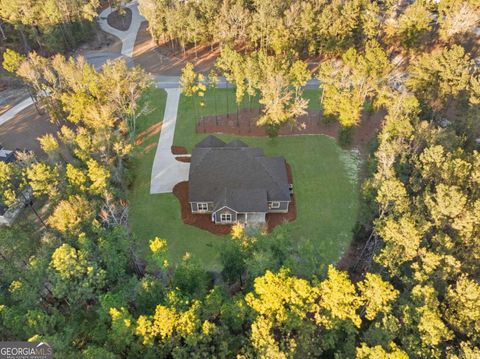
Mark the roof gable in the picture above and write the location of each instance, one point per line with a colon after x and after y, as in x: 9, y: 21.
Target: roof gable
x: 236, y: 143
x: 210, y: 142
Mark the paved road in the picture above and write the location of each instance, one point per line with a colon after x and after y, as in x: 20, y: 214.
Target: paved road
x: 166, y: 170
x: 12, y: 112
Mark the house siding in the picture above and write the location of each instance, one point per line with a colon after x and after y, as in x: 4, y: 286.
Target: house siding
x: 282, y: 209
x: 194, y: 207
x: 225, y: 210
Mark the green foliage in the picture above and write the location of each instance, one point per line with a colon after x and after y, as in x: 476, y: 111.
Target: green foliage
x: 12, y: 60
x: 347, y: 84
x: 84, y: 284
x: 441, y: 75
x: 51, y: 25
x: 410, y: 26
x: 71, y: 214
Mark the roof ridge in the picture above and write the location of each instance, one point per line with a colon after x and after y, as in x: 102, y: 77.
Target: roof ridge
x: 267, y: 170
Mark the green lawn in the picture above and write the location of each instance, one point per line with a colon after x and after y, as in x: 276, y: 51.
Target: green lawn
x: 324, y: 179
x: 159, y: 214
x: 324, y: 176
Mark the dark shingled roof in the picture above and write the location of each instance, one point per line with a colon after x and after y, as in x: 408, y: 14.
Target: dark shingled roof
x: 237, y: 143
x: 239, y: 177
x: 210, y: 141
x: 242, y: 200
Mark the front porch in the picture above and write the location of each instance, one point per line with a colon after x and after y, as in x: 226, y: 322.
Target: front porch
x: 251, y: 218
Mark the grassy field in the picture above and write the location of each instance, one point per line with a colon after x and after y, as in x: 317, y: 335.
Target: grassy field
x: 159, y: 214
x: 325, y: 176
x: 324, y: 179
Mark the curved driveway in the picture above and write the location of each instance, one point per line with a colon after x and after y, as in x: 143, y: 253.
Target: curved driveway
x: 128, y: 37
x: 166, y: 170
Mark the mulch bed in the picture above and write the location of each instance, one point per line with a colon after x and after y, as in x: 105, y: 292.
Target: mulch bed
x: 312, y: 123
x: 183, y: 159
x: 203, y: 221
x: 179, y: 150
x: 119, y: 22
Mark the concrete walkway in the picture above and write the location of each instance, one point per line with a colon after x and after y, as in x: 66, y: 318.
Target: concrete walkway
x: 127, y: 37
x: 166, y: 170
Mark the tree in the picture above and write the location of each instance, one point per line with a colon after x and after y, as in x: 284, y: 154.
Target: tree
x: 377, y: 295
x: 71, y: 214
x: 52, y: 26
x: 12, y: 60
x: 280, y: 105
x: 463, y: 311
x: 50, y: 146
x: 377, y: 352
x: 192, y: 84
x: 159, y: 254
x: 44, y: 179
x: 282, y: 303
x: 410, y: 26
x: 212, y: 85
x: 440, y: 75
x: 98, y: 176
x: 347, y: 84
x: 190, y: 278
x: 10, y: 181
x: 233, y: 66
x: 457, y: 18
x: 233, y: 263
x: 73, y: 276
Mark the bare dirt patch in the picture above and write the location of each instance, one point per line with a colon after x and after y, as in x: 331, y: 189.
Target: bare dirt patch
x: 120, y: 22
x: 100, y: 43
x: 153, y: 130
x: 313, y: 123
x: 203, y: 221
x: 179, y: 150
x: 22, y: 131
x: 168, y: 58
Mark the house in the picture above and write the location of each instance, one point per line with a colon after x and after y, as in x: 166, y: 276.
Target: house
x: 6, y: 155
x: 236, y: 183
x: 9, y: 213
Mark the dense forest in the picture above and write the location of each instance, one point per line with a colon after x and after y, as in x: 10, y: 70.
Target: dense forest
x: 47, y: 26
x: 77, y: 279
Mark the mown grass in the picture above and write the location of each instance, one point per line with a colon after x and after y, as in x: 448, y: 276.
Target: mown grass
x: 325, y: 182
x: 159, y: 214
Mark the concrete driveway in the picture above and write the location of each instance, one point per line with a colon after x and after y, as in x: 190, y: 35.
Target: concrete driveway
x: 128, y: 37
x: 166, y: 170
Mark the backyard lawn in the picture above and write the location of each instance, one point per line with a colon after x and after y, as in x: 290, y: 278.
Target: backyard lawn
x: 324, y: 176
x: 159, y: 214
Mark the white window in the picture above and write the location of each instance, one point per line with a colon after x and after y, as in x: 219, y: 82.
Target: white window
x: 225, y: 217
x: 275, y: 205
x: 202, y: 207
